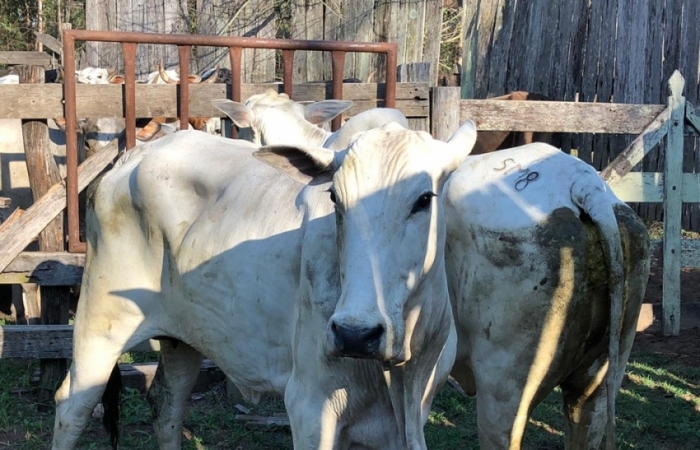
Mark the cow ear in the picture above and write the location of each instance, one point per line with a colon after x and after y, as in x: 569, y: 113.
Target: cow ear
x: 323, y: 111
x: 117, y: 79
x: 239, y: 113
x: 307, y: 165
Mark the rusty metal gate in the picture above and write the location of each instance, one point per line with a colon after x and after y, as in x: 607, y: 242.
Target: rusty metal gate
x: 184, y: 43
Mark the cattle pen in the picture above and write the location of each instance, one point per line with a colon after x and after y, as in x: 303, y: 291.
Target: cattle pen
x: 435, y: 109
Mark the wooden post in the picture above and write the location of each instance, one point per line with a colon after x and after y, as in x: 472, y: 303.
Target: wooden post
x: 43, y: 174
x: 673, y: 202
x: 415, y: 73
x: 444, y: 111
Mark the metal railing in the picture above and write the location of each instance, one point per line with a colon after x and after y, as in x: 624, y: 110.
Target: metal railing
x: 184, y: 42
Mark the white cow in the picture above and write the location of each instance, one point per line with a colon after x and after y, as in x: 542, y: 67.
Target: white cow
x: 226, y: 247
x: 272, y: 118
x: 511, y: 216
x: 9, y: 79
x: 543, y: 262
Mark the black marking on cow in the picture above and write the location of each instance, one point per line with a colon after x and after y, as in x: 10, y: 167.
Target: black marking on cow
x: 543, y: 281
x: 529, y: 176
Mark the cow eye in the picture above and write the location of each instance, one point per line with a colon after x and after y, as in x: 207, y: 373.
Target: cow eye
x: 333, y: 199
x: 423, y: 202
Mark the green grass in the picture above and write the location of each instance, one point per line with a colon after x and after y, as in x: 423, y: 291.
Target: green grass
x: 658, y: 409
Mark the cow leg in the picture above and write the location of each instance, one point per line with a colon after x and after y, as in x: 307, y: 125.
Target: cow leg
x: 82, y: 388
x: 585, y: 399
x: 505, y: 397
x: 315, y: 424
x: 175, y: 377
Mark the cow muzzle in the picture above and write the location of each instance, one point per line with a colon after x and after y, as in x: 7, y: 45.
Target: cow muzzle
x: 356, y: 342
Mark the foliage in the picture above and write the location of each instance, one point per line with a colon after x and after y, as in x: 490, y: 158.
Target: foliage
x: 19, y: 20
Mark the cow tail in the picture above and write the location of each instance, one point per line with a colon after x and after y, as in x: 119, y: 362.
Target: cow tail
x: 591, y: 194
x: 112, y: 407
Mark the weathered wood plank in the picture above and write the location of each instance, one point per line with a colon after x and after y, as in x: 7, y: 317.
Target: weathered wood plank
x: 648, y: 187
x: 42, y: 101
x: 26, y: 58
x: 636, y: 151
x: 559, y: 116
x: 45, y: 269
x: 49, y: 41
x: 16, y: 234
x: 673, y: 171
x: 36, y: 341
x: 444, y: 119
x: 308, y: 23
x: 47, y: 342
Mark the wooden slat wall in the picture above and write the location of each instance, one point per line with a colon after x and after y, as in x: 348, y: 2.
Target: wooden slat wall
x: 621, y: 51
x: 256, y: 18
x: 414, y: 24
x: 45, y: 100
x: 146, y: 16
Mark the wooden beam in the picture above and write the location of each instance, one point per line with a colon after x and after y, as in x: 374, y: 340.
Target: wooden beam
x: 36, y: 341
x: 22, y: 226
x: 49, y: 41
x: 47, y: 342
x: 45, y: 269
x: 43, y: 173
x: 673, y: 202
x: 158, y: 100
x: 564, y: 117
x: 444, y: 119
x: 692, y: 116
x: 648, y: 187
x: 27, y: 58
x: 636, y: 151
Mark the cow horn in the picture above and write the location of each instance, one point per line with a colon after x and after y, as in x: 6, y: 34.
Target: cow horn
x: 164, y: 75
x: 212, y: 78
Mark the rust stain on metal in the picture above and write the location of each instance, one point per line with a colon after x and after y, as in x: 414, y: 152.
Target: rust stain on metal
x: 185, y: 42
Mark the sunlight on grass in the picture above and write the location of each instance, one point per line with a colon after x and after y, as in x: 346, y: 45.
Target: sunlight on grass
x: 659, y: 378
x: 546, y: 427
x: 634, y: 395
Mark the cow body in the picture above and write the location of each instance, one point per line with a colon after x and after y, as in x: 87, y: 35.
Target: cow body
x: 226, y: 245
x: 531, y: 231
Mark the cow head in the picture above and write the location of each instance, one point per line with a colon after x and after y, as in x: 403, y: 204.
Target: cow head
x: 387, y: 190
x: 95, y: 75
x: 272, y: 118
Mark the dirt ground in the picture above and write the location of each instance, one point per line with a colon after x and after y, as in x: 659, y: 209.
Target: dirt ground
x: 686, y: 346
x: 690, y: 281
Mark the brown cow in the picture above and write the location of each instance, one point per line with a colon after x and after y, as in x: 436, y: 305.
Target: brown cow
x: 490, y: 141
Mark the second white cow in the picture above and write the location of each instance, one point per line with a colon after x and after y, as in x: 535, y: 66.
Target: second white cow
x: 226, y: 247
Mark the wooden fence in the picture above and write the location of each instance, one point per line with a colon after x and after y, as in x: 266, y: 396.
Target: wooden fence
x: 620, y: 51
x: 414, y: 24
x: 442, y: 106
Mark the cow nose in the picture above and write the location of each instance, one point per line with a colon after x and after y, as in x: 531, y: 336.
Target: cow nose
x: 357, y: 342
